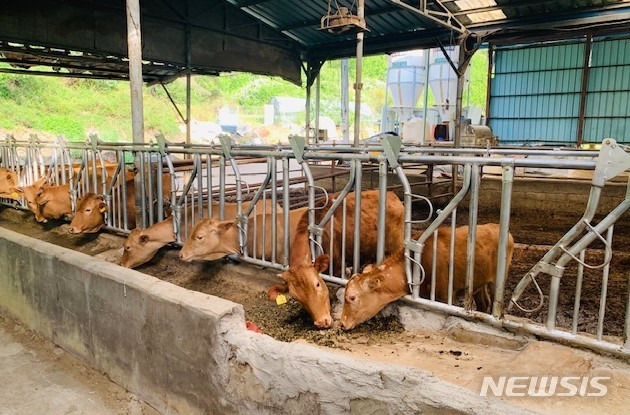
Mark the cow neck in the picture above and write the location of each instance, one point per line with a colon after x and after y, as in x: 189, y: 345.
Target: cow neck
x: 394, y: 283
x: 300, y: 249
x: 162, y: 232
x: 231, y: 244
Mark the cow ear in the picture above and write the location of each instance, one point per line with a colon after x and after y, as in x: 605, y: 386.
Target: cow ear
x: 225, y: 226
x: 321, y: 262
x: 368, y: 268
x: 374, y: 283
x: 144, y: 239
x: 102, y: 207
x: 277, y: 289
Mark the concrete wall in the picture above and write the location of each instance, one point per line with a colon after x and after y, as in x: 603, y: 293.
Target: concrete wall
x: 551, y: 195
x: 186, y: 352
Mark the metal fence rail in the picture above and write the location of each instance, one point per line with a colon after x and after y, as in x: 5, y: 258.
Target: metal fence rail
x: 261, y: 185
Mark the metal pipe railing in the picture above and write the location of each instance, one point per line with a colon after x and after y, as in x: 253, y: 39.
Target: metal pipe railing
x: 189, y: 190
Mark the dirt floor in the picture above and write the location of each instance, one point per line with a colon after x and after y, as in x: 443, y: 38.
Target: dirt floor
x: 384, y: 338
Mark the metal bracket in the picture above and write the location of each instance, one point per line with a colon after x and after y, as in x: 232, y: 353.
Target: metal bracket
x: 444, y: 17
x: 316, y: 230
x: 414, y: 246
x: 391, y: 147
x: 161, y: 143
x: 298, y: 145
x: 611, y: 161
x: 226, y: 145
x: 94, y: 142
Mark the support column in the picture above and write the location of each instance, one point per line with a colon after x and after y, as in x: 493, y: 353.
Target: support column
x: 345, y: 84
x: 489, y: 84
x: 188, y: 74
x: 425, y: 112
x: 583, y: 91
x: 317, y: 100
x: 134, y: 45
x: 307, y: 112
x: 460, y: 93
x: 134, y: 53
x: 358, y: 85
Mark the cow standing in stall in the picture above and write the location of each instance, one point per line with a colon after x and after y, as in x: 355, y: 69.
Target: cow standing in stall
x: 302, y: 280
x: 368, y: 293
x: 212, y: 239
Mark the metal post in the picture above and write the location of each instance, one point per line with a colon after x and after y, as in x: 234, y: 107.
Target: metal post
x: 188, y: 74
x: 134, y: 44
x: 504, y: 232
x: 382, y: 205
x: 344, y: 101
x: 460, y: 92
x: 317, y: 93
x: 472, y: 236
x: 307, y: 109
x: 425, y: 113
x: 489, y: 85
x: 358, y: 85
x: 583, y: 92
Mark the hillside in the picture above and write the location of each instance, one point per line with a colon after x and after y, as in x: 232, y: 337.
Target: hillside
x: 75, y: 107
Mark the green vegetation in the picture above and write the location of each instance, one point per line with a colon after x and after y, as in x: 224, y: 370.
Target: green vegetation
x: 76, y: 107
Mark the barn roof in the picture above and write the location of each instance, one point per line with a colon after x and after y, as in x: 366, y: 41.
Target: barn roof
x: 271, y: 37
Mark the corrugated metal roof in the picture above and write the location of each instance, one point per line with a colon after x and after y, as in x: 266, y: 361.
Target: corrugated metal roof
x: 386, y: 21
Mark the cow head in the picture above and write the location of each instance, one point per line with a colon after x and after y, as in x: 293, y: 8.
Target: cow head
x: 9, y: 186
x: 366, y: 294
x: 304, y: 283
x: 210, y: 240
x: 30, y: 194
x: 138, y: 249
x: 90, y: 214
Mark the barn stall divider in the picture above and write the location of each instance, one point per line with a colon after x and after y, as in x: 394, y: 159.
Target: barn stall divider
x: 204, y: 179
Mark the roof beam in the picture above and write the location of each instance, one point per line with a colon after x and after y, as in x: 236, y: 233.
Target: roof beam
x: 511, y: 5
x: 444, y: 18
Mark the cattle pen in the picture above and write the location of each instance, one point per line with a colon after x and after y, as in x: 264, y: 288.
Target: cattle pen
x: 462, y: 260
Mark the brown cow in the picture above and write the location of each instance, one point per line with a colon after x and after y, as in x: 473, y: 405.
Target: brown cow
x: 303, y: 282
x: 212, y: 239
x: 368, y: 293
x: 142, y: 245
x: 90, y: 214
x: 54, y: 202
x: 9, y: 184
x: 95, y: 216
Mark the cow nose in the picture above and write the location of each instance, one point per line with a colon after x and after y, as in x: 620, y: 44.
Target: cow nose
x: 72, y: 230
x: 182, y: 256
x: 324, y: 323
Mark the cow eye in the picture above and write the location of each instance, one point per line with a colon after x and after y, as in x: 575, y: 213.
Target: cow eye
x: 127, y: 248
x: 88, y: 210
x: 200, y: 237
x: 318, y: 284
x: 352, y: 298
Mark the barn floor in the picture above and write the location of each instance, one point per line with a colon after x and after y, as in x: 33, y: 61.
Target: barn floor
x: 39, y: 378
x: 384, y: 339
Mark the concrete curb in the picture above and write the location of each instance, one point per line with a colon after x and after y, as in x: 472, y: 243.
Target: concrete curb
x: 187, y: 352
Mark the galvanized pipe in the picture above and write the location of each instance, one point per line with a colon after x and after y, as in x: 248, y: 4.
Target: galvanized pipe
x: 472, y: 236
x: 382, y: 214
x: 504, y: 233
